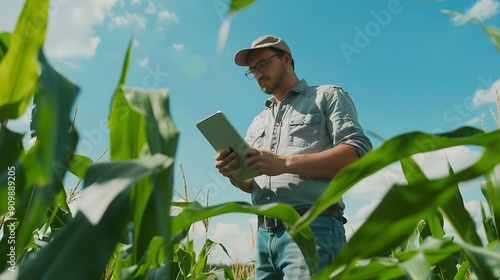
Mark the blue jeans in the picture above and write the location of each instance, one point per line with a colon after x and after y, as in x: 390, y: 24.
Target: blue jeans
x: 278, y: 257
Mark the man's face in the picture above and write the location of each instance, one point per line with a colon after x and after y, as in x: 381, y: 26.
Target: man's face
x: 273, y: 75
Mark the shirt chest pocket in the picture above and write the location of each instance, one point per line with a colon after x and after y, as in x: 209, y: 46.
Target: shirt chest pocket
x: 305, y: 130
x: 258, y: 137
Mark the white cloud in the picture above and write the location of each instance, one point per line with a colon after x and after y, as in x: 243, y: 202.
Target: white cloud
x: 136, y: 2
x: 128, y: 19
x: 71, y: 26
x: 365, y: 196
x: 178, y: 47
x: 434, y: 165
x: 144, y: 62
x: 135, y: 43
x: 474, y: 121
x: 197, y: 230
x: 226, y: 231
x: 366, y: 210
x: 165, y: 15
x: 474, y: 209
x: 376, y: 185
x: 237, y: 239
x: 21, y: 124
x: 481, y: 10
x: 485, y: 96
x: 356, y: 221
x: 151, y: 9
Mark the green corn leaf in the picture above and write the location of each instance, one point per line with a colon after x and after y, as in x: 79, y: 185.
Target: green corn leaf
x: 85, y: 246
x: 459, y: 217
x: 40, y: 172
x: 492, y: 31
x: 11, y: 148
x: 304, y: 238
x: 140, y: 123
x: 434, y: 221
x: 416, y: 267
x: 434, y: 227
x: 127, y: 137
x: 494, y: 34
x: 463, y: 272
x: 4, y: 43
x: 400, y: 147
x: 127, y: 141
x: 485, y: 262
x: 489, y: 227
x: 389, y: 152
x: 397, y: 215
x: 19, y: 68
x: 201, y: 263
x: 413, y: 263
x: 79, y: 165
x: 105, y: 196
x: 412, y: 172
x: 155, y: 133
x: 183, y: 260
x: 153, y: 106
x: 432, y: 252
x: 237, y: 5
x: 154, y: 257
x: 51, y: 154
x: 47, y: 161
x: 206, y: 252
x: 377, y: 268
x: 121, y: 262
x: 491, y: 191
x: 188, y: 246
x: 392, y: 221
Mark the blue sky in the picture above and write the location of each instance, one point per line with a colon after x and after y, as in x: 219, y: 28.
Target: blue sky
x: 406, y: 65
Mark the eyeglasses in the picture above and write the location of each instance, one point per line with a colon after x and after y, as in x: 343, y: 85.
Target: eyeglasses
x: 261, y: 66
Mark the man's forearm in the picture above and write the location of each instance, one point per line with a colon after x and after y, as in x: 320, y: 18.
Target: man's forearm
x: 325, y: 164
x: 245, y: 185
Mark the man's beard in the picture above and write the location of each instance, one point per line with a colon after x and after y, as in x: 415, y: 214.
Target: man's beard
x: 274, y: 85
x: 269, y: 89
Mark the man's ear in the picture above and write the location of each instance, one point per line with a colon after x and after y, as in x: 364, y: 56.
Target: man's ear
x: 288, y: 58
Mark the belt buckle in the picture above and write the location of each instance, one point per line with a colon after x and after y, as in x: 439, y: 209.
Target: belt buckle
x: 269, y: 223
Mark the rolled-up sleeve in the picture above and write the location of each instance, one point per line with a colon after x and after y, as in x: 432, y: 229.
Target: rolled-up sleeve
x: 342, y: 122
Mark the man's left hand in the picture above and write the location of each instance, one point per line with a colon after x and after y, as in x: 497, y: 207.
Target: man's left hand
x: 265, y: 162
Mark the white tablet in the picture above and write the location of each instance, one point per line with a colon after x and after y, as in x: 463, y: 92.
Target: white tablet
x: 221, y: 134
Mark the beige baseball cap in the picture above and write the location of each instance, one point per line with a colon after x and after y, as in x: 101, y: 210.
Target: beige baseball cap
x: 265, y: 41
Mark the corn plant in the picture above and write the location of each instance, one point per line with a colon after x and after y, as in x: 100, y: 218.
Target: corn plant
x: 124, y: 229
x: 125, y: 206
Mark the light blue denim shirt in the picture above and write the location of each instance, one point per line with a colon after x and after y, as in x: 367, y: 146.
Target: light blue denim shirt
x: 310, y: 119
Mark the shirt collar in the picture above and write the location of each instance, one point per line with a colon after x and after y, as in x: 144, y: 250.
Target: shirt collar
x: 298, y: 88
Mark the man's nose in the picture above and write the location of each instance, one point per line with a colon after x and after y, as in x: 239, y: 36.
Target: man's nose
x: 257, y: 74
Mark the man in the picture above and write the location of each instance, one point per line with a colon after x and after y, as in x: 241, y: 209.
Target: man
x: 304, y: 136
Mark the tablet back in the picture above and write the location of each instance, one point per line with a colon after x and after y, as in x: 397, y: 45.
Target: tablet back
x: 221, y: 134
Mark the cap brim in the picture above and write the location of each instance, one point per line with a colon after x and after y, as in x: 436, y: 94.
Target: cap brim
x: 241, y: 57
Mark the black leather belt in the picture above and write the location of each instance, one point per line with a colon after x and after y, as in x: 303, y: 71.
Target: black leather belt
x: 270, y: 223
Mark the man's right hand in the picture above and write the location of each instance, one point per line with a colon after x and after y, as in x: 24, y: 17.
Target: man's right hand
x: 226, y: 161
